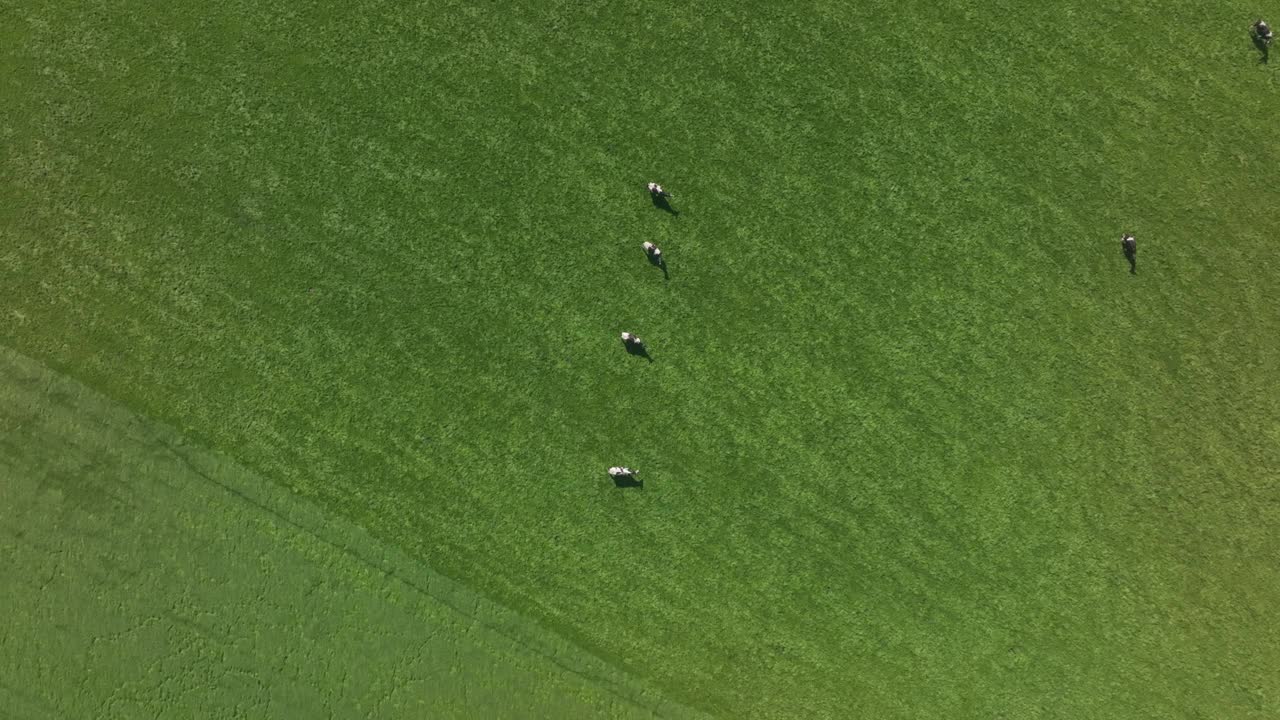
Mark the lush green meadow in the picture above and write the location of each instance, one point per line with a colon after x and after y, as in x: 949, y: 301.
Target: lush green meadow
x: 915, y: 443
x: 146, y: 577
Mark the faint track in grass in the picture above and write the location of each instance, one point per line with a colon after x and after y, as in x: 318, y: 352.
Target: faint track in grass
x: 170, y: 565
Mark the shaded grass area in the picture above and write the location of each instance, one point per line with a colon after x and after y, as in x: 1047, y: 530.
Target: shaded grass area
x: 915, y: 443
x: 145, y: 577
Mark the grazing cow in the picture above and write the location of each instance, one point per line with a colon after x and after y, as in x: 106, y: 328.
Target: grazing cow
x: 635, y: 346
x: 656, y: 190
x: 621, y: 473
x: 1130, y: 246
x: 1263, y: 31
x: 654, y: 252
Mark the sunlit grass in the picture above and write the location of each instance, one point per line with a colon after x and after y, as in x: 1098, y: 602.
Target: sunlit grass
x: 914, y: 441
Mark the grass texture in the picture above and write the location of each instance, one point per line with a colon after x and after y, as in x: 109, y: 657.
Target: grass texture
x: 915, y: 443
x: 146, y: 577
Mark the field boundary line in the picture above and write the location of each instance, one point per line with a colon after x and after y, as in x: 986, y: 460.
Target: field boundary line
x: 347, y: 538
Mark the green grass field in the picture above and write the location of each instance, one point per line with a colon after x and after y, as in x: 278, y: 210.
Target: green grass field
x: 915, y: 443
x: 149, y: 578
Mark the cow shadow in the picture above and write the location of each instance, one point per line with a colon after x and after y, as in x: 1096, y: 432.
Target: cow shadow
x: 1264, y: 48
x: 627, y: 481
x: 638, y: 350
x: 1132, y: 257
x: 662, y: 203
x: 660, y: 263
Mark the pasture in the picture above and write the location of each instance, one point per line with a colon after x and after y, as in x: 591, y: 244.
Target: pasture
x: 915, y: 442
x: 145, y: 577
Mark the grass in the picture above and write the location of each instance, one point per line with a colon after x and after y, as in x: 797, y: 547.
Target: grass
x: 150, y: 578
x: 915, y: 442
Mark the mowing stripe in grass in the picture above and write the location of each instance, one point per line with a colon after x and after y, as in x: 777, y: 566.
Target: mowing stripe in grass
x: 143, y: 576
